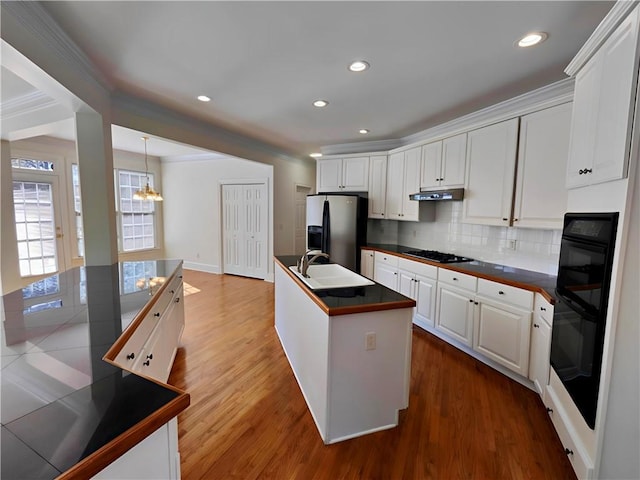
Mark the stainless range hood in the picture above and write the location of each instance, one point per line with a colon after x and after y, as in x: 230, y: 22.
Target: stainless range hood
x: 438, y: 195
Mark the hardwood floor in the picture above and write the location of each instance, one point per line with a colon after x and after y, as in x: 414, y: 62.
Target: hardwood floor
x: 248, y: 418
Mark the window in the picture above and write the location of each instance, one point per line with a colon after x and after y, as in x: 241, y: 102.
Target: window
x: 137, y: 227
x: 35, y: 227
x: 77, y: 207
x: 31, y: 164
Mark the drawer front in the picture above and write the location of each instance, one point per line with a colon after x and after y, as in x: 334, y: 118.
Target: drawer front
x: 130, y: 352
x: 543, y: 308
x: 418, y: 268
x: 579, y: 463
x: 505, y: 293
x: 387, y: 259
x: 461, y: 280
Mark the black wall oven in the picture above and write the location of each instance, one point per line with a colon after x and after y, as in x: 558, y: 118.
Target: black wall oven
x: 582, y: 294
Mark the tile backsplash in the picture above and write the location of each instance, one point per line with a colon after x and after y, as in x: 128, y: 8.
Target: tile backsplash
x: 527, y: 248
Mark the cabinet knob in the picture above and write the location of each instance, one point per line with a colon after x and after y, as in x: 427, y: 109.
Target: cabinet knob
x: 535, y: 325
x: 505, y: 219
x: 150, y: 356
x: 543, y: 309
x: 178, y: 300
x: 581, y: 172
x: 471, y: 300
x: 476, y: 303
x: 146, y: 363
x: 455, y: 279
x: 549, y: 410
x: 172, y: 292
x: 500, y: 292
x: 515, y: 219
x: 131, y: 356
x: 568, y: 451
x: 157, y: 314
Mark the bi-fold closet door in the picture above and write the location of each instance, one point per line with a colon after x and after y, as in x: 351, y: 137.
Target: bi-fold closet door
x: 244, y: 229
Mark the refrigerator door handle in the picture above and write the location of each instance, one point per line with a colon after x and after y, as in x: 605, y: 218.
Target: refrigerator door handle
x: 326, y: 234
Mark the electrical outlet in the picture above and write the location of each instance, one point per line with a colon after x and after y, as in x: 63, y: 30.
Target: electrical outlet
x: 370, y: 341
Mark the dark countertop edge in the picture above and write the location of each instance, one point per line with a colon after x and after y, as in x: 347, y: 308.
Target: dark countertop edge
x: 108, y: 453
x: 111, y: 451
x: 336, y: 311
x: 459, y: 267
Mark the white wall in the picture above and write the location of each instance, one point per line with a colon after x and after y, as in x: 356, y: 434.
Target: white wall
x: 193, y: 211
x: 535, y: 249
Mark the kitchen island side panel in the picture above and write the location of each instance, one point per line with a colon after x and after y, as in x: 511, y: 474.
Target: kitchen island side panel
x: 303, y: 330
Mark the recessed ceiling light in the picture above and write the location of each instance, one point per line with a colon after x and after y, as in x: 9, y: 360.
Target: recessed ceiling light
x: 358, y: 66
x: 315, y: 155
x: 320, y: 103
x: 363, y: 131
x: 531, y: 39
x: 204, y: 98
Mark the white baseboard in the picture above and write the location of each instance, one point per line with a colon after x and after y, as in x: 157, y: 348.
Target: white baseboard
x: 202, y: 267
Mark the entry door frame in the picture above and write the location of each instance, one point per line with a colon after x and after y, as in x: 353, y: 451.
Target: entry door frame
x: 296, y: 187
x: 248, y: 181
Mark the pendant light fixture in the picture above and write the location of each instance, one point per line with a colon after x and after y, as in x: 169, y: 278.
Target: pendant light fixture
x: 147, y: 193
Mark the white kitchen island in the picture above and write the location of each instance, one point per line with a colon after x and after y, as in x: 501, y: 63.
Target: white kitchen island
x: 350, y: 351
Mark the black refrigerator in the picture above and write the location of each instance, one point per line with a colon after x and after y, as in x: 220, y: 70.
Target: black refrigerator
x: 337, y: 225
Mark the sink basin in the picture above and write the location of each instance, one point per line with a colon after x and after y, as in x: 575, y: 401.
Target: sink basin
x: 331, y: 275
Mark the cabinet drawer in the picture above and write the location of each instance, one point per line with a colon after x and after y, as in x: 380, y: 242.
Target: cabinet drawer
x: 387, y: 259
x: 130, y: 352
x: 505, y: 293
x: 578, y: 461
x: 461, y: 280
x: 543, y: 308
x: 418, y: 268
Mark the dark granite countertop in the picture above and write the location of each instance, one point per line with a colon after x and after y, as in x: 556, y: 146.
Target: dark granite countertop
x: 343, y: 301
x: 60, y: 400
x: 518, y: 277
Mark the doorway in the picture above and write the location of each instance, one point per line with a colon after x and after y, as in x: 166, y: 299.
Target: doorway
x: 300, y: 227
x: 245, y: 229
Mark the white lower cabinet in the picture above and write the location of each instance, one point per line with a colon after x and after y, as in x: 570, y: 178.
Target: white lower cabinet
x: 454, y: 315
x: 386, y: 270
x: 367, y: 263
x: 418, y: 281
x: 540, y: 343
x: 502, y: 324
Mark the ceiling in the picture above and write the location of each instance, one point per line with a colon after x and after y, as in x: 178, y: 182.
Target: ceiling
x: 263, y: 63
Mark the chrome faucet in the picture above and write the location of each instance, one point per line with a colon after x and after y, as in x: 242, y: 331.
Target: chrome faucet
x: 304, y: 262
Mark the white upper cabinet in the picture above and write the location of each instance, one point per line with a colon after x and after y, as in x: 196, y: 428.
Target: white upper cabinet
x: 343, y: 174
x: 403, y: 179
x: 377, y: 186
x: 603, y: 109
x: 491, y: 163
x: 443, y: 163
x: 541, y: 195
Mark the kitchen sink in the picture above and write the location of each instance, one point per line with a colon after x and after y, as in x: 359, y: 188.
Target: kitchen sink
x: 331, y: 275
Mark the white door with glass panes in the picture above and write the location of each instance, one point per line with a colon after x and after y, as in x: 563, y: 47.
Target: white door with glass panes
x: 244, y: 229
x: 38, y: 224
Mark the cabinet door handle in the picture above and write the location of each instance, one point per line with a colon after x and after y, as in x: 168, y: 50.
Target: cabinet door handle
x: 172, y: 292
x: 178, y: 300
x: 150, y: 356
x: 535, y: 325
x: 543, y: 309
x: 581, y: 171
x: 588, y: 170
x: 476, y: 303
x: 500, y: 292
x: 505, y: 219
x: 471, y: 300
x: 568, y: 451
x: 549, y: 410
x: 131, y: 356
x: 455, y: 279
x: 515, y: 219
x: 146, y: 363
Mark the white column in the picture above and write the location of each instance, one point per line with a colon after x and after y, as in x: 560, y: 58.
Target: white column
x: 95, y: 161
x: 10, y: 277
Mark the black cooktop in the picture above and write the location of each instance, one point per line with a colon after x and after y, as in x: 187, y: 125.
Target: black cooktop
x: 436, y: 256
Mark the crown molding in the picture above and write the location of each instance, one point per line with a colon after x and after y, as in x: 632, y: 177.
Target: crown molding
x: 141, y: 114
x: 35, y: 20
x: 26, y: 104
x: 361, y: 147
x: 539, y: 99
x: 609, y: 23
x: 195, y: 157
